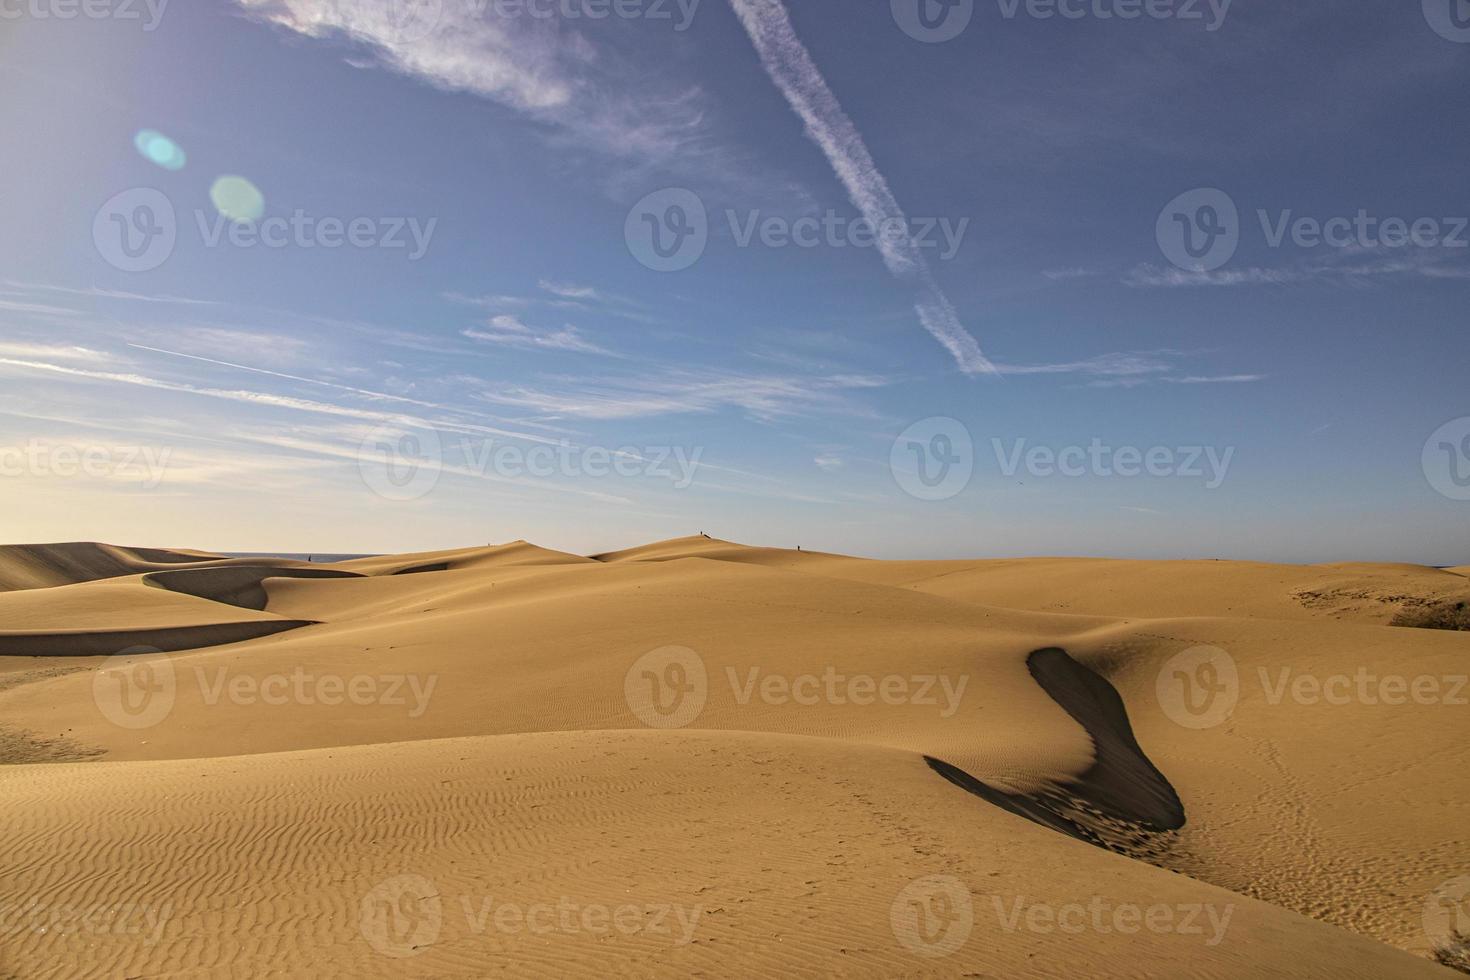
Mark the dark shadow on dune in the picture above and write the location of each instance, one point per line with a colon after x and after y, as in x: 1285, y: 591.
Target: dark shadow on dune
x: 234, y: 585
x: 438, y: 566
x: 106, y: 643
x: 1122, y: 802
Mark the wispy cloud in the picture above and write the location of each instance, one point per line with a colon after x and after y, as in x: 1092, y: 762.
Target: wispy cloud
x: 1355, y: 266
x: 1126, y: 364
x: 61, y: 352
x: 789, y: 65
x: 96, y: 292
x: 568, y: 290
x: 1218, y: 379
x: 557, y: 295
x: 1129, y: 369
x: 1150, y: 276
x: 585, y: 96
x: 264, y: 399
x: 511, y: 331
x: 762, y: 397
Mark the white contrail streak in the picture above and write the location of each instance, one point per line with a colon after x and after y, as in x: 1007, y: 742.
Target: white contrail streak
x: 789, y: 65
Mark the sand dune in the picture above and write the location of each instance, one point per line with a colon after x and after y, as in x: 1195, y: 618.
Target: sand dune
x: 673, y: 722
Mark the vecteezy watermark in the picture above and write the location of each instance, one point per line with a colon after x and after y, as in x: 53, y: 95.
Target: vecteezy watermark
x: 136, y: 688
x: 1450, y: 19
x: 668, y: 231
x: 935, y: 915
x: 406, y: 915
x: 932, y: 21
x: 138, y: 920
x: 1201, y: 230
x: 1446, y: 459
x: 932, y: 916
x: 680, y: 13
x: 1201, y: 687
x: 150, y: 12
x: 1208, y: 463
x: 669, y: 687
x: 139, y: 688
x: 935, y: 21
x: 404, y: 462
x: 1447, y: 915
x: 307, y: 231
x: 1103, y: 916
x: 144, y: 465
x: 410, y: 21
x: 933, y: 459
x: 138, y: 230
x: 833, y: 230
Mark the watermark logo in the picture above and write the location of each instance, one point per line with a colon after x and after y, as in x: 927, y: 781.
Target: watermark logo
x: 1450, y: 19
x: 1211, y: 12
x: 933, y: 459
x: 148, y: 11
x: 145, y: 465
x: 667, y: 687
x: 1199, y: 230
x: 1100, y: 915
x: 678, y: 12
x: 1447, y: 914
x: 1446, y: 459
x: 667, y: 231
x: 1199, y: 687
x: 136, y: 231
x: 403, y: 460
x: 136, y: 688
x: 402, y: 917
x: 400, y: 463
x: 410, y: 21
x: 137, y: 920
x: 940, y: 691
x: 832, y: 230
x: 405, y: 915
x: 933, y: 916
x: 1208, y: 464
x: 935, y: 21
x: 932, y: 21
x: 411, y: 692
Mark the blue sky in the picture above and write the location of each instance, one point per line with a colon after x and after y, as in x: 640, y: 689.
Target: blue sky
x: 1303, y: 400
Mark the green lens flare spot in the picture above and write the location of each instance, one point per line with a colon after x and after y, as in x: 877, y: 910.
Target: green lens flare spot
x: 158, y: 148
x: 237, y: 199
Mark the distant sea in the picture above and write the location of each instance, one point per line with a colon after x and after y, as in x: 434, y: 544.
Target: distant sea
x: 287, y: 554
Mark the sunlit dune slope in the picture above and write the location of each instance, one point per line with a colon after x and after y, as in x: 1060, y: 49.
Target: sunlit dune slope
x: 608, y: 854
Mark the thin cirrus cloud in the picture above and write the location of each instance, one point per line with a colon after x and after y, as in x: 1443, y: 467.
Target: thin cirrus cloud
x: 1356, y: 265
x: 262, y: 399
x: 510, y: 331
x: 765, y: 398
x: 792, y: 70
x: 587, y: 95
x: 557, y: 295
x: 1128, y: 369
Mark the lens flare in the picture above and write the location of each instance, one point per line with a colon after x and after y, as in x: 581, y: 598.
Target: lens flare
x: 237, y: 199
x: 158, y: 148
